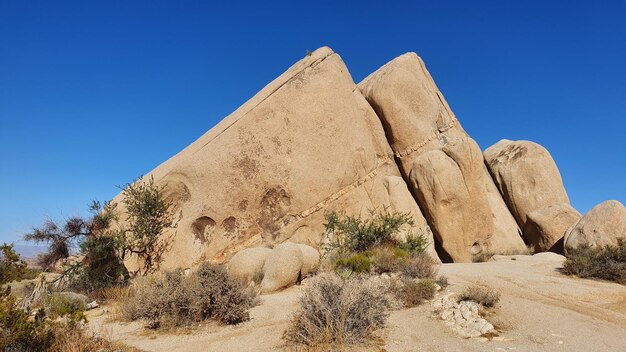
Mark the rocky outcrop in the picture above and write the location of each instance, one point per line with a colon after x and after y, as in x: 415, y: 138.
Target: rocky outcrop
x: 601, y: 226
x: 307, y: 144
x: 463, y: 317
x: 312, y: 142
x: 443, y: 166
x: 532, y: 188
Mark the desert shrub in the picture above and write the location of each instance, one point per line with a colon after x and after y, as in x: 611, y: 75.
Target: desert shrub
x: 413, y: 244
x: 68, y: 339
x: 607, y: 263
x: 18, y: 332
x: 337, y: 311
x: 353, y: 234
x: 481, y: 294
x: 358, y: 263
x: 421, y: 266
x: 179, y: 300
x: 12, y: 267
x: 414, y: 292
x: 64, y: 304
x: 388, y: 259
x: 442, y: 281
x: 103, y: 267
x: 148, y: 215
x: 21, y: 332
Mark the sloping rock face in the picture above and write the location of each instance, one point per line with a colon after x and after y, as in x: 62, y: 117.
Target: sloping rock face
x: 443, y: 166
x: 306, y: 144
x: 531, y: 185
x: 601, y: 226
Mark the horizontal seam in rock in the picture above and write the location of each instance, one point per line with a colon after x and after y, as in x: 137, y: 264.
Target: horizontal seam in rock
x: 420, y: 145
x: 312, y: 64
x: 382, y: 160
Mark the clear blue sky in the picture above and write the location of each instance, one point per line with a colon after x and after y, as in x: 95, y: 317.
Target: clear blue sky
x: 96, y: 93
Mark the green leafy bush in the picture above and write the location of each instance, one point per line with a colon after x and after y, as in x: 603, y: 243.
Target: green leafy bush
x: 65, y: 304
x: 389, y: 259
x: 353, y: 234
x: 359, y: 263
x: 607, y: 263
x: 12, y: 267
x: 334, y: 311
x: 481, y: 294
x: 179, y: 300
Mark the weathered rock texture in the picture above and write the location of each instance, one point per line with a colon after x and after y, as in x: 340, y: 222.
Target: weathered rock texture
x: 532, y: 187
x: 443, y: 166
x: 601, y: 226
x: 287, y: 264
x: 306, y: 144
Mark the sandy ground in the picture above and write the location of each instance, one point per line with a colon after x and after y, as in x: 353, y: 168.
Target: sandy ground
x: 540, y: 310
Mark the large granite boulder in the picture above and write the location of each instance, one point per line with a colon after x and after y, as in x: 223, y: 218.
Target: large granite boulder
x: 307, y: 144
x: 531, y: 185
x: 248, y: 263
x: 287, y: 264
x: 603, y: 225
x: 443, y: 166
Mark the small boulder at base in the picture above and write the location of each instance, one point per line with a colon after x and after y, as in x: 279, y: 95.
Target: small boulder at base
x: 286, y: 265
x: 601, y: 226
x: 244, y: 265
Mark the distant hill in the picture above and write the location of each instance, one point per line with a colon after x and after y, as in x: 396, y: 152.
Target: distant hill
x: 29, y: 251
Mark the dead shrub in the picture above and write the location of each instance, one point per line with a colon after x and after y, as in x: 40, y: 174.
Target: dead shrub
x: 179, y: 300
x: 337, y: 311
x: 416, y: 292
x: 481, y: 294
x: 421, y: 266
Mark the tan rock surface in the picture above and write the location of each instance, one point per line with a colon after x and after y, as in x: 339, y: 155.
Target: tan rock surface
x: 530, y: 183
x: 247, y: 262
x: 443, y: 166
x: 546, y: 227
x: 601, y: 226
x: 306, y: 144
x: 283, y: 267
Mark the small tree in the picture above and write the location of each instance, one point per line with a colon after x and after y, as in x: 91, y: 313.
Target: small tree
x: 12, y: 267
x: 94, y: 238
x: 148, y: 215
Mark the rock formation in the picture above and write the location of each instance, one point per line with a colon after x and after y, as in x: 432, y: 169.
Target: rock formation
x: 532, y: 187
x: 312, y: 142
x: 601, y: 226
x: 443, y: 166
x: 306, y: 144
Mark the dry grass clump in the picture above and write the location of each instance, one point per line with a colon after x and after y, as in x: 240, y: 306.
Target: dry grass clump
x: 77, y: 340
x: 414, y: 292
x: 607, y: 263
x: 337, y: 311
x: 421, y: 266
x: 179, y: 300
x: 481, y: 294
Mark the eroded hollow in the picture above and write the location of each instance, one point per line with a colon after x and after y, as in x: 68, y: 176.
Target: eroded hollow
x: 200, y: 225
